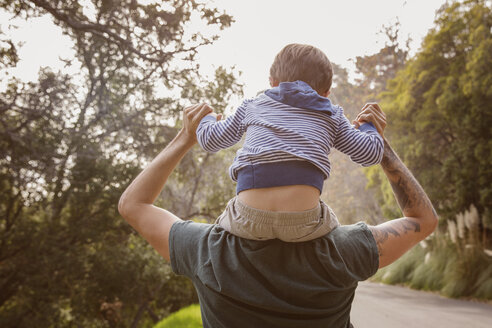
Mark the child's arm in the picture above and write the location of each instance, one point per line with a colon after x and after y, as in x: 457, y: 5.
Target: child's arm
x: 213, y: 135
x: 364, y: 145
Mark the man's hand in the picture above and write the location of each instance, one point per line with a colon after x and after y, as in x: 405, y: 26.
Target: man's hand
x: 191, y: 119
x: 371, y: 112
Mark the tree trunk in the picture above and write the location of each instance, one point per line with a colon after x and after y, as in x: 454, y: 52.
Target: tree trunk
x: 139, y: 314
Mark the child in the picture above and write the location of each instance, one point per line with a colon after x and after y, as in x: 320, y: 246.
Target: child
x: 290, y: 130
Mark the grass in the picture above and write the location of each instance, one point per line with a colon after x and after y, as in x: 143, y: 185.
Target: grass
x: 188, y: 317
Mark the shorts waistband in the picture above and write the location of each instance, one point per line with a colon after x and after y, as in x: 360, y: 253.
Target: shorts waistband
x: 281, y: 218
x: 287, y: 173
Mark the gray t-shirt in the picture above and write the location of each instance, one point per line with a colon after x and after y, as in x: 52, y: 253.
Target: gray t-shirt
x: 248, y: 283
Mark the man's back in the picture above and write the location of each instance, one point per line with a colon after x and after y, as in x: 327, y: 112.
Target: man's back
x: 246, y: 283
x: 213, y: 257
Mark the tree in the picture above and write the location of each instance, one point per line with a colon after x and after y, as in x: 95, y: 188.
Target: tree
x: 438, y: 107
x: 377, y: 69
x: 69, y: 145
x: 347, y: 191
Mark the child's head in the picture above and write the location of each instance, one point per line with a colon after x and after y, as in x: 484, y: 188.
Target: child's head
x: 305, y: 63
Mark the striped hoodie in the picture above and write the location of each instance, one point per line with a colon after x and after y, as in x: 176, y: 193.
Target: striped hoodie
x: 290, y: 131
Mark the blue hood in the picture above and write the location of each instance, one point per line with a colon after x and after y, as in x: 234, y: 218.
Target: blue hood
x: 300, y: 94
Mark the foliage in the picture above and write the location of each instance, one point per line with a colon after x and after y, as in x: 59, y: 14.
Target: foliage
x: 453, y: 263
x: 189, y: 317
x: 70, y: 144
x: 348, y: 190
x: 377, y: 69
x: 438, y: 108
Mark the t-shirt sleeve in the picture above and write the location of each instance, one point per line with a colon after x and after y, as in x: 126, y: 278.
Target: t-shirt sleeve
x: 186, y: 246
x: 359, y: 250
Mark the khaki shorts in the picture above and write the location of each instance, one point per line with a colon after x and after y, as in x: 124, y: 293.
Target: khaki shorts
x: 251, y: 223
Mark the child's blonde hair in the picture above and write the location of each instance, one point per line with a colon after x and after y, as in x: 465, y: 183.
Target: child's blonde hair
x: 303, y: 62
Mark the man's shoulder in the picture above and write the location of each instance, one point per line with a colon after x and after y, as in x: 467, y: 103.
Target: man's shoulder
x: 350, y: 250
x: 354, y: 233
x: 190, y: 224
x: 186, y: 240
x: 190, y: 230
x: 357, y: 234
x: 346, y: 239
x: 356, y: 245
x: 348, y: 230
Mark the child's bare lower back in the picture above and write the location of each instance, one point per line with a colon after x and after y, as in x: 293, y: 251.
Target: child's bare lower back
x: 294, y: 198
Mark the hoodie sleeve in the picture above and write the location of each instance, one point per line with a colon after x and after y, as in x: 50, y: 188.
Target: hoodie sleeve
x: 214, y: 135
x: 364, y: 146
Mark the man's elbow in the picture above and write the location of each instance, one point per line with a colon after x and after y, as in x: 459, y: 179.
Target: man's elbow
x: 431, y: 221
x: 434, y: 221
x: 124, y: 207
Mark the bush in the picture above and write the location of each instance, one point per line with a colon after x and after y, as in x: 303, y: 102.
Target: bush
x: 452, y: 268
x: 188, y: 317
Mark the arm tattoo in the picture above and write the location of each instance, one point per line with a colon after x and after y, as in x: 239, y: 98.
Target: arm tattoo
x: 382, y: 233
x: 400, y: 193
x: 408, y: 193
x: 410, y: 196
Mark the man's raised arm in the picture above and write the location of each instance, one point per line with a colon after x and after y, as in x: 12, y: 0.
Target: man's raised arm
x: 136, y: 203
x: 396, y: 237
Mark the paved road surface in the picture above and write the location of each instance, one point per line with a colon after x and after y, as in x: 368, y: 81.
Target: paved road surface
x: 383, y: 306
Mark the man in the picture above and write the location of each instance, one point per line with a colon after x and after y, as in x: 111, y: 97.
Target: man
x: 247, y: 283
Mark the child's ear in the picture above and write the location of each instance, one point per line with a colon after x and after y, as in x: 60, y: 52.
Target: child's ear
x: 326, y: 94
x: 273, y: 82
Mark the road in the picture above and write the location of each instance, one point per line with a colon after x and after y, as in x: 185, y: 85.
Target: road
x: 382, y: 306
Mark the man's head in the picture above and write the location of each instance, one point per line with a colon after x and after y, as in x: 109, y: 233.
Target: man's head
x: 305, y: 63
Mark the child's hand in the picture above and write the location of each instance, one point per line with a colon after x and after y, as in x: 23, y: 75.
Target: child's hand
x: 371, y: 112
x: 218, y: 117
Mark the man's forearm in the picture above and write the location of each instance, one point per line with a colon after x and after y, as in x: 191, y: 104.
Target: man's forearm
x: 136, y: 203
x: 411, y: 197
x: 395, y: 237
x: 149, y: 183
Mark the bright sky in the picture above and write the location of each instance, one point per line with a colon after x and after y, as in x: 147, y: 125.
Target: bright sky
x: 342, y: 29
